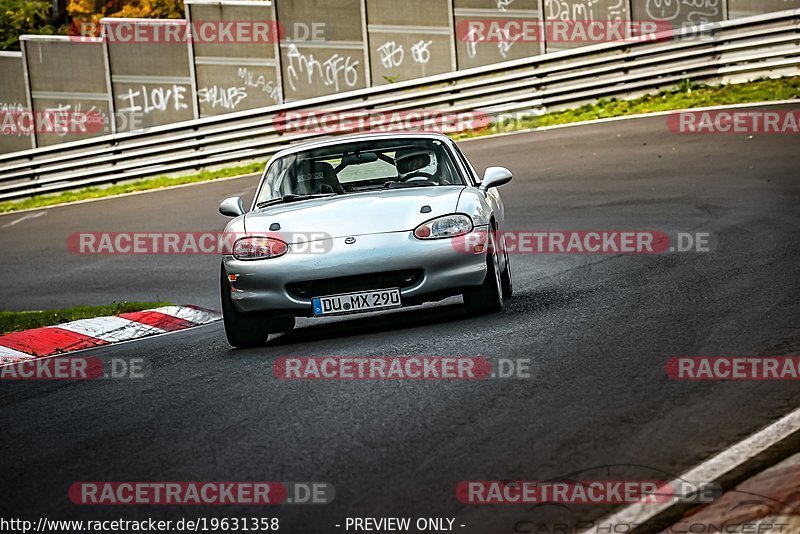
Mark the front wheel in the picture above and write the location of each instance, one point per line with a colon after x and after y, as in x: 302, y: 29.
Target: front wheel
x: 243, y: 330
x: 487, y: 297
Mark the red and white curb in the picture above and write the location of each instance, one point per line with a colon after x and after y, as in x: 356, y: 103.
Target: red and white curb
x: 100, y: 331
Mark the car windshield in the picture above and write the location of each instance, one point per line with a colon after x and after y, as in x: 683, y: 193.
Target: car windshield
x: 359, y: 166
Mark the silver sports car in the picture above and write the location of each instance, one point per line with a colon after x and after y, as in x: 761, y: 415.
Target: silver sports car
x: 359, y: 224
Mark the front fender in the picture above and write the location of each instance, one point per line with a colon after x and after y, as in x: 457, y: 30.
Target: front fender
x: 233, y: 230
x: 481, y: 206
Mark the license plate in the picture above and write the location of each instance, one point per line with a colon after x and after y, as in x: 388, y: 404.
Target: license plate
x: 364, y: 301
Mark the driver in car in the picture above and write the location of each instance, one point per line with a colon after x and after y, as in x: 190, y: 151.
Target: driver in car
x: 416, y: 164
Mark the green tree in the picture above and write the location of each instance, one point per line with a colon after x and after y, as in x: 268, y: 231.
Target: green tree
x: 23, y: 16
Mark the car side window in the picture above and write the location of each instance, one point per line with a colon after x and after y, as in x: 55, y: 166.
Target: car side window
x: 274, y: 181
x: 466, y: 164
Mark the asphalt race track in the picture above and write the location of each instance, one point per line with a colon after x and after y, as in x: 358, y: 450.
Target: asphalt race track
x: 597, y: 329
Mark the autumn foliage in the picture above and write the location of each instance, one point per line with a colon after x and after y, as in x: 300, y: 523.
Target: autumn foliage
x: 83, y: 11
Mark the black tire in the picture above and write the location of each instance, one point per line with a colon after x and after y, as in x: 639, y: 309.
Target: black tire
x: 281, y: 323
x: 243, y: 330
x: 487, y: 297
x: 506, y: 278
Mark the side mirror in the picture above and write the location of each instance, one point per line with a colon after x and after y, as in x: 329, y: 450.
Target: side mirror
x: 495, y: 177
x: 231, y: 207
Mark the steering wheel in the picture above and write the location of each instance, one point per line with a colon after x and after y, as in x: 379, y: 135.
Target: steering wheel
x: 417, y: 175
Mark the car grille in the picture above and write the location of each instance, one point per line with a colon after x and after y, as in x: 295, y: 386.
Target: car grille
x: 351, y: 284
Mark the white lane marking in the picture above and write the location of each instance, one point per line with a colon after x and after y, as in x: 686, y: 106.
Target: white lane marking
x: 25, y: 217
x: 112, y: 329
x: 8, y: 355
x: 709, y: 471
x: 193, y: 315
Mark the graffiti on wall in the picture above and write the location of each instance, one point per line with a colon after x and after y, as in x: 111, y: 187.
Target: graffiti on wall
x: 337, y: 71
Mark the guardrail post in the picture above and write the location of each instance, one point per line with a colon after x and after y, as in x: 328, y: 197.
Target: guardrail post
x: 28, y: 91
x: 192, y: 67
x: 112, y: 105
x: 277, y: 48
x: 365, y: 39
x: 543, y: 26
x: 452, y: 19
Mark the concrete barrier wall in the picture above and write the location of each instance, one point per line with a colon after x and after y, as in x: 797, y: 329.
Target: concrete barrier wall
x: 746, y: 8
x: 582, y: 11
x: 13, y: 102
x: 411, y: 40
x: 324, y: 48
x: 316, y: 48
x: 68, y: 81
x: 233, y: 76
x: 476, y: 19
x: 678, y: 13
x: 152, y: 78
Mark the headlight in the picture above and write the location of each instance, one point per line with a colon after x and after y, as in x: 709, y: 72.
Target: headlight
x: 259, y: 248
x: 441, y: 227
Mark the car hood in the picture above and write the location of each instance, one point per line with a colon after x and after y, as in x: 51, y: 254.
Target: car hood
x: 373, y: 212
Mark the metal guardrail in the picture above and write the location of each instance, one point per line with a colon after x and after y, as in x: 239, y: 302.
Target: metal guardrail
x: 754, y: 46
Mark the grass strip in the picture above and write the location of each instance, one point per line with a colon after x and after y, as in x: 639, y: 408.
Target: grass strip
x: 686, y: 95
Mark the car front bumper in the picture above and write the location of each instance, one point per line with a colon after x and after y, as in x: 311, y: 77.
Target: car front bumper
x: 263, y: 285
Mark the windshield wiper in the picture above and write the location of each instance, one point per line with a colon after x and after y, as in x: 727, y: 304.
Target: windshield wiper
x: 391, y: 184
x: 357, y: 189
x: 401, y: 185
x: 285, y: 199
